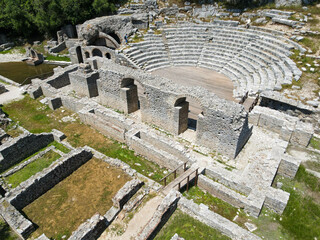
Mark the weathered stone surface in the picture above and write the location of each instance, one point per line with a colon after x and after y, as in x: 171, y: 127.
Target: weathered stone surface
x: 2, y: 88
x: 126, y: 192
x: 161, y: 216
x: 58, y: 135
x: 90, y: 229
x: 22, y: 226
x: 21, y: 147
x: 41, y: 182
x: 203, y: 214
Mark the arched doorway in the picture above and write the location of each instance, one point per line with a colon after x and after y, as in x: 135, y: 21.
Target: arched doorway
x: 108, y: 55
x: 115, y: 37
x: 129, y: 93
x: 79, y: 54
x: 87, y: 54
x: 96, y: 52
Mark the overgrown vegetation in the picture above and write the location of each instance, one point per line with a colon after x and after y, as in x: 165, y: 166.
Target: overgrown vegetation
x: 32, y: 168
x: 187, y: 228
x: 315, y: 143
x: 37, y: 118
x: 5, y: 232
x: 28, y: 18
x: 217, y: 205
x: 58, y: 58
x: 301, y: 217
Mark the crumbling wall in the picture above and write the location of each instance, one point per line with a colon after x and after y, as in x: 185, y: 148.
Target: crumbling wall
x: 38, y: 184
x: 290, y: 128
x: 22, y: 147
x: 21, y: 225
x: 161, y: 216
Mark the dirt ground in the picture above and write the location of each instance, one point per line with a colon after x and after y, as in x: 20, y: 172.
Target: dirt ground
x: 85, y: 192
x: 135, y: 225
x: 213, y: 81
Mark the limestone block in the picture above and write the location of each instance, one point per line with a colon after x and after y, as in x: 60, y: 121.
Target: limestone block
x: 35, y: 92
x: 22, y: 226
x: 288, y: 166
x: 90, y: 229
x: 58, y: 135
x: 42, y: 237
x: 302, y: 134
x: 286, y: 131
x: 254, y: 118
x: 54, y: 103
x: 126, y: 192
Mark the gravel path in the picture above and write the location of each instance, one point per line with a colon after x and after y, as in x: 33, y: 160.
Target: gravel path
x: 12, y: 57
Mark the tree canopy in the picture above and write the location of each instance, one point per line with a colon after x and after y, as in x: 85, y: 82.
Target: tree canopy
x: 28, y: 17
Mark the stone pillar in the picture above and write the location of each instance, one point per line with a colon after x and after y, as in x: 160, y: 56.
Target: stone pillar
x: 129, y: 95
x: 84, y: 81
x: 181, y: 117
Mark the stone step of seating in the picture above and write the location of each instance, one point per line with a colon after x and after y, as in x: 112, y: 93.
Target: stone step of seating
x: 154, y: 61
x: 156, y: 65
x: 150, y: 57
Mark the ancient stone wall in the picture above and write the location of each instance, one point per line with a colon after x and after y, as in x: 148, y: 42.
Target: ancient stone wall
x: 22, y: 147
x: 290, y: 128
x: 203, y: 214
x: 41, y: 182
x: 90, y: 229
x: 21, y: 225
x: 161, y: 216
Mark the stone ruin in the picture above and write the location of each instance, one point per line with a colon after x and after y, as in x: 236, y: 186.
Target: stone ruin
x: 111, y: 90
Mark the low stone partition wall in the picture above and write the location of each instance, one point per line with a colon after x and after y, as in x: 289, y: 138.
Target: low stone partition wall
x: 288, y: 166
x: 126, y: 192
x: 289, y: 128
x: 147, y: 149
x: 38, y: 184
x: 21, y: 225
x: 161, y: 216
x: 94, y: 227
x: 222, y: 192
x: 203, y: 214
x: 60, y: 77
x: 22, y: 147
x: 90, y: 229
x: 228, y: 179
x: 106, y: 121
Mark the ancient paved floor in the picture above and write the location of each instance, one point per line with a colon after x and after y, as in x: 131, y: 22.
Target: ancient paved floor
x: 193, y: 76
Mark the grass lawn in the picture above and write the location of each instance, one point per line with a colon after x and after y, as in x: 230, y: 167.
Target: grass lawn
x: 5, y: 232
x: 188, y: 228
x: 37, y: 117
x: 32, y: 168
x: 216, y: 205
x: 86, y: 191
x: 57, y: 58
x: 315, y: 143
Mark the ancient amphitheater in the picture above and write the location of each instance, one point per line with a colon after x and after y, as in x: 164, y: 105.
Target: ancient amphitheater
x: 202, y: 99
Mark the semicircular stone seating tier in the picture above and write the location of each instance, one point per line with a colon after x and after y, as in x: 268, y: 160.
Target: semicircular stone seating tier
x: 255, y: 60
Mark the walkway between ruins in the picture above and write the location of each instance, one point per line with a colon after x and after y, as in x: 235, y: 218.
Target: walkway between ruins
x: 14, y: 93
x: 136, y: 224
x: 181, y: 181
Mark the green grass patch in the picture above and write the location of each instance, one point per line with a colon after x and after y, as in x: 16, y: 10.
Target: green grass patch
x: 312, y: 165
x: 60, y: 147
x: 301, y: 217
x: 58, y: 58
x: 37, y: 118
x: 215, y: 204
x: 32, y: 168
x: 315, y: 143
x: 6, y: 233
x: 188, y: 228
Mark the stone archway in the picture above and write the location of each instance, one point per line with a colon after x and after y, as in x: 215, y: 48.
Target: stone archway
x: 96, y: 52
